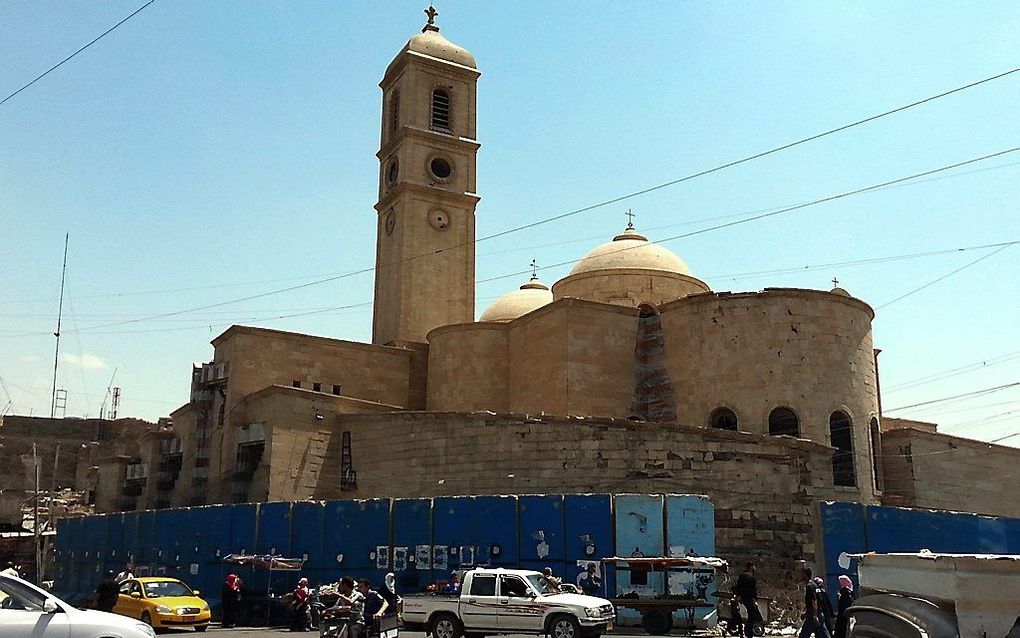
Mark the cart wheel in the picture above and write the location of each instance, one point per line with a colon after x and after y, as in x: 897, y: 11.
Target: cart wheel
x: 758, y: 629
x: 657, y: 622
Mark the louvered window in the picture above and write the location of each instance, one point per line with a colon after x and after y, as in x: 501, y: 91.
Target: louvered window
x: 440, y: 109
x: 394, y: 111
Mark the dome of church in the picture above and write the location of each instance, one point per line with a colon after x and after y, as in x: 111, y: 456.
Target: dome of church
x: 631, y: 249
x: 531, y: 296
x: 433, y: 44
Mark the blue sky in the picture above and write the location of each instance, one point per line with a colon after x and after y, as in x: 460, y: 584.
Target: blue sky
x: 205, y: 152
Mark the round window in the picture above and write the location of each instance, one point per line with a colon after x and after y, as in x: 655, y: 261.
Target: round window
x: 392, y: 172
x: 440, y: 168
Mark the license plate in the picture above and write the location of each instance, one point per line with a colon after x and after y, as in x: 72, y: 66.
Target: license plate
x: 188, y: 618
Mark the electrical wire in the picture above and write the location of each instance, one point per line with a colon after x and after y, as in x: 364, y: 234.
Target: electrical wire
x: 945, y: 276
x: 93, y: 41
x: 957, y: 396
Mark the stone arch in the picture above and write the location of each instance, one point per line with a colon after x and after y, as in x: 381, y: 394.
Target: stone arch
x: 723, y: 418
x: 841, y: 437
x: 784, y: 421
x: 654, y: 396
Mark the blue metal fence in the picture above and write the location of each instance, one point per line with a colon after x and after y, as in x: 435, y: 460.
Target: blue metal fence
x: 421, y: 540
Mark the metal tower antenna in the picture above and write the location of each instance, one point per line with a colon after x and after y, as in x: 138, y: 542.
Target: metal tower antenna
x: 60, y: 316
x: 115, y: 404
x: 109, y: 386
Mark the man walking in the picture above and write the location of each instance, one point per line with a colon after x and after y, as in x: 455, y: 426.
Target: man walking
x: 814, y: 622
x: 746, y: 590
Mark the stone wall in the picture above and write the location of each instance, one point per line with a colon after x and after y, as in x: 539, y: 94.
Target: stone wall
x: 925, y: 469
x: 764, y: 488
x: 805, y: 350
x: 628, y: 286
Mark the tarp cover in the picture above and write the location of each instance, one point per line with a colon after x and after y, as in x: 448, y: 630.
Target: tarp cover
x: 666, y: 562
x: 265, y: 561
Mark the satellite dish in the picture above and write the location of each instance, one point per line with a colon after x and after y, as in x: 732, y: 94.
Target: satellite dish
x: 844, y: 560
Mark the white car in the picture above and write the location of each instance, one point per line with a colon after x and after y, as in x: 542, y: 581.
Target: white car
x: 29, y: 612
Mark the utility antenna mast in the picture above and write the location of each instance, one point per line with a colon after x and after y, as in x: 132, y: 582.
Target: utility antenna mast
x: 60, y: 315
x: 102, y: 408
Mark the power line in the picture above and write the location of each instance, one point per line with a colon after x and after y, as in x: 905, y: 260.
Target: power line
x: 94, y: 40
x: 748, y: 158
x: 945, y: 374
x: 945, y: 276
x: 957, y: 396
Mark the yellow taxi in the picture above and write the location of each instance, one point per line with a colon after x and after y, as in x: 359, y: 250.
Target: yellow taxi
x: 162, y: 603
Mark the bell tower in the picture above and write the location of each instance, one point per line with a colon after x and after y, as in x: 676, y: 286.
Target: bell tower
x: 425, y: 253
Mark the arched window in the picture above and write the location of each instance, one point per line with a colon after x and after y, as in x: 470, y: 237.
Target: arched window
x: 440, y: 109
x: 876, y: 454
x: 723, y: 419
x: 394, y: 111
x: 784, y: 421
x: 841, y: 437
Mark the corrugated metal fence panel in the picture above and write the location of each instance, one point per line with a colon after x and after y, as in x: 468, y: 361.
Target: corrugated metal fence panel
x: 891, y: 529
x: 541, y: 532
x: 272, y: 536
x: 306, y: 522
x: 93, y: 533
x: 588, y: 537
x: 355, y: 539
x: 114, y: 555
x: 129, y: 537
x: 473, y: 530
x: 690, y: 525
x: 145, y: 549
x: 690, y: 530
x: 411, y: 554
x: 212, y: 541
x: 640, y: 527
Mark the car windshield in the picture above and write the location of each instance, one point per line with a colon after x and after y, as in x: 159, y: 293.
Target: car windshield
x: 14, y: 595
x: 165, y: 588
x: 540, y: 584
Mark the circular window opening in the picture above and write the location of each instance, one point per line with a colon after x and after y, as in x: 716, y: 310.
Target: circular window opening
x: 440, y: 168
x: 392, y: 172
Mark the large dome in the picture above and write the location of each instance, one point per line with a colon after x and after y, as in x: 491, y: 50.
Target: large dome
x: 531, y: 296
x: 433, y: 44
x: 631, y: 249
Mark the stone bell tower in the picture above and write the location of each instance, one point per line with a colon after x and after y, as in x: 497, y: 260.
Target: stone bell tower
x: 425, y: 253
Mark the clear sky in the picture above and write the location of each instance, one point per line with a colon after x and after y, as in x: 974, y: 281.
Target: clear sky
x: 209, y: 151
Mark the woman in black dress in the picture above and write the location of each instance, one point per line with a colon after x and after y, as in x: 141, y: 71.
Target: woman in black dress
x: 231, y: 597
x: 843, y: 602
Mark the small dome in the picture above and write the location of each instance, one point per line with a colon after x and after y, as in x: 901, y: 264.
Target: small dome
x: 631, y: 249
x: 839, y: 291
x: 433, y: 44
x: 531, y: 296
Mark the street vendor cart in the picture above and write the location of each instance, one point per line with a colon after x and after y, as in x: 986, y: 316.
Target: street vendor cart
x: 657, y: 608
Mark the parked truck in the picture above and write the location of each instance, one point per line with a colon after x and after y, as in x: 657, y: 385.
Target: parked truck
x: 508, y: 601
x: 930, y: 595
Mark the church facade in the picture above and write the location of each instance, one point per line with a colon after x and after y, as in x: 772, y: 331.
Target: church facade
x: 627, y: 375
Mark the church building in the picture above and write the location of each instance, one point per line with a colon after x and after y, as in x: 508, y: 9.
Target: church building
x: 628, y: 375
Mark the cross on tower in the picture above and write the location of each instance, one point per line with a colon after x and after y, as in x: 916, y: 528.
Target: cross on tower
x: 835, y: 282
x: 431, y: 13
x: 630, y: 219
x: 534, y: 269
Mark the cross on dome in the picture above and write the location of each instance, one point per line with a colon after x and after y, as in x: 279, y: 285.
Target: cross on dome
x: 835, y: 282
x: 431, y: 24
x: 534, y: 269
x: 630, y: 219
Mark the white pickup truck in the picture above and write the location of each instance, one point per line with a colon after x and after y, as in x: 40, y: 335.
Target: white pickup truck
x: 508, y: 601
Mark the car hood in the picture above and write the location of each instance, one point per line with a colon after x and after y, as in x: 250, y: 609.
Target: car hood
x: 93, y: 616
x: 177, y: 601
x: 580, y: 600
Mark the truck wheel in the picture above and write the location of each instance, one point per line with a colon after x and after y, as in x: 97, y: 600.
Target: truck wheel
x: 657, y: 622
x: 884, y: 615
x: 564, y: 627
x: 445, y: 626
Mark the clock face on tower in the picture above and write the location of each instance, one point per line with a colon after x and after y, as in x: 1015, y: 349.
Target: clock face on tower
x: 389, y: 222
x: 439, y: 219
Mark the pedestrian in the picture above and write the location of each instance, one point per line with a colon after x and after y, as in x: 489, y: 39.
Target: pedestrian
x: 231, y: 597
x: 354, y: 599
x: 389, y: 593
x: 552, y: 584
x: 814, y: 624
x: 843, y: 602
x: 124, y: 574
x: 10, y: 570
x: 453, y: 585
x: 107, y: 592
x: 825, y: 604
x: 746, y: 590
x: 375, y: 604
x: 302, y: 594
